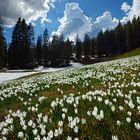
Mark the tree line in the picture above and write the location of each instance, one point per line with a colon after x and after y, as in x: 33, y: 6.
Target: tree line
x: 122, y: 39
x: 24, y: 53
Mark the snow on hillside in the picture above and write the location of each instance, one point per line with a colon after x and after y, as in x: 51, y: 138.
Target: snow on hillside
x: 5, y: 77
x: 14, y: 74
x: 42, y: 69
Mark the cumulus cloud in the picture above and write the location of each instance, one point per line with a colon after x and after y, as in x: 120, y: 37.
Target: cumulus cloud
x: 125, y: 7
x: 31, y: 10
x: 76, y: 22
x: 104, y: 22
x: 133, y: 11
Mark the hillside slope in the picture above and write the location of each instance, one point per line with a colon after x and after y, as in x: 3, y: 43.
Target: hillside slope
x: 100, y: 102
x: 128, y: 54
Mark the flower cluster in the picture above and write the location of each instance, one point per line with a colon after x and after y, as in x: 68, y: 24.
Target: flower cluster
x: 99, y: 101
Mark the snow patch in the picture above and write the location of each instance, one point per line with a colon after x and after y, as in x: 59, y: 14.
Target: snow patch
x: 15, y: 74
x: 5, y: 77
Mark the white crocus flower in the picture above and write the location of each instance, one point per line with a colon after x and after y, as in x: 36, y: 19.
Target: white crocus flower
x: 83, y: 121
x: 20, y: 135
x: 137, y: 126
x: 118, y: 122
x: 56, y: 133
x: 69, y: 138
x: 128, y: 119
x: 114, y: 137
x: 45, y: 119
x: 30, y: 123
x: 76, y: 129
x: 63, y: 116
x: 50, y: 134
x: 5, y: 132
x: 35, y: 131
x: 43, y: 132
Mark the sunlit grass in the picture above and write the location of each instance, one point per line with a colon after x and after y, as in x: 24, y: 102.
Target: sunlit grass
x: 100, y: 102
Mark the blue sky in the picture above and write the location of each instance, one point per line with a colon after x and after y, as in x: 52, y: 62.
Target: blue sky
x: 90, y: 10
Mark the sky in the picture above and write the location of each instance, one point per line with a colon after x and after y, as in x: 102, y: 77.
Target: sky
x: 70, y: 17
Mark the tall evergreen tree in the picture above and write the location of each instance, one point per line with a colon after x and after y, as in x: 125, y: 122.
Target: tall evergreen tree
x: 136, y: 33
x: 120, y: 38
x: 78, y: 48
x: 39, y: 54
x: 108, y: 42
x: 68, y: 50
x: 19, y: 50
x: 55, y: 51
x: 128, y: 41
x: 31, y: 44
x: 99, y: 42
x: 93, y: 47
x: 3, y: 47
x: 46, y: 47
x: 24, y: 45
x: 14, y: 48
x: 87, y: 46
x: 62, y: 50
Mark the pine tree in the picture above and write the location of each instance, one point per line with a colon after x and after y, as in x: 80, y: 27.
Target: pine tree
x: 108, y: 42
x: 31, y: 45
x: 14, y: 48
x: 93, y: 47
x: 39, y: 55
x: 78, y: 48
x: 87, y: 46
x: 68, y: 51
x: 120, y: 38
x: 128, y: 41
x: 46, y: 47
x: 19, y: 50
x: 136, y: 33
x: 24, y: 46
x: 54, y: 51
x: 61, y: 47
x: 3, y: 47
x: 99, y: 41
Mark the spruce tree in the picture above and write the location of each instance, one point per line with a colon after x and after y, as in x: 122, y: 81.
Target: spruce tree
x: 24, y: 46
x: 136, y: 33
x: 120, y: 38
x: 99, y: 42
x: 31, y: 45
x: 39, y: 55
x: 61, y: 49
x: 3, y: 47
x: 93, y: 47
x: 46, y: 47
x: 14, y: 48
x: 54, y: 51
x: 78, y: 48
x: 128, y: 41
x: 87, y: 46
x: 68, y: 51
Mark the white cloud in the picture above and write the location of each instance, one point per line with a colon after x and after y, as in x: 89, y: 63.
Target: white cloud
x: 31, y: 10
x: 104, y: 22
x: 76, y: 22
x: 125, y: 7
x: 133, y: 11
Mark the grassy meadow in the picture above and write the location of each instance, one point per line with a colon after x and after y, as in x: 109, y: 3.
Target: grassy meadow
x: 94, y: 102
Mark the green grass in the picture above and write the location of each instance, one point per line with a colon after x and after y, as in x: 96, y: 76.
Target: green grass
x: 128, y: 54
x: 82, y: 88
